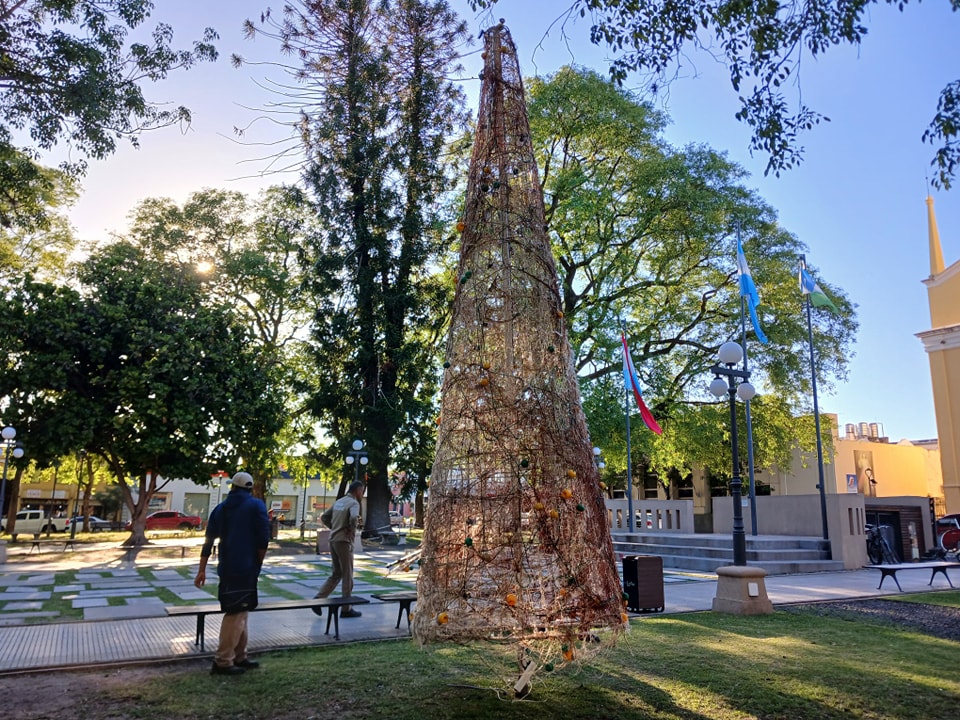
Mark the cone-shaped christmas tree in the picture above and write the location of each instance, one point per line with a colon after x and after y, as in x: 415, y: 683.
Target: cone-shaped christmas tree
x: 517, y: 544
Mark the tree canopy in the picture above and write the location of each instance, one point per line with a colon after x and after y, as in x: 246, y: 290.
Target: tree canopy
x: 68, y: 73
x: 763, y: 45
x: 134, y: 366
x: 646, y: 233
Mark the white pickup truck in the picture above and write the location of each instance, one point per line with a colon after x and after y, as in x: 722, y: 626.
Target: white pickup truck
x: 30, y: 522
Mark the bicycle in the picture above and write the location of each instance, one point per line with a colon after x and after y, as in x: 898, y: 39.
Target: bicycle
x: 878, y: 549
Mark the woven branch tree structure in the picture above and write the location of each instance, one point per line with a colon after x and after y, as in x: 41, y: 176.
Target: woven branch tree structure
x: 517, y: 546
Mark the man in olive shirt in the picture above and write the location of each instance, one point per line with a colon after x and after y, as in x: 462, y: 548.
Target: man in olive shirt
x: 343, y: 531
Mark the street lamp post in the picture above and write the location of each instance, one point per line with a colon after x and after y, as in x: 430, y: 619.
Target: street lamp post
x: 10, y: 447
x: 740, y: 589
x: 357, y: 456
x: 736, y: 385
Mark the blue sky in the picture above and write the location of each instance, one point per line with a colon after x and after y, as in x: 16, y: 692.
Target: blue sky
x: 857, y: 201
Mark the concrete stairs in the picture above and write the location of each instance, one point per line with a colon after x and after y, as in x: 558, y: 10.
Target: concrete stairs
x: 777, y: 554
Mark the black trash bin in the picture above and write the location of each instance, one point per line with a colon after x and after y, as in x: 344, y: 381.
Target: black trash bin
x: 643, y: 582
x: 274, y: 529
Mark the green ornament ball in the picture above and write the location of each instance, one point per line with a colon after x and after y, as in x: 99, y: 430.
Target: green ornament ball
x: 580, y: 507
x: 524, y: 463
x: 550, y: 348
x: 446, y: 365
x: 468, y: 542
x: 548, y: 667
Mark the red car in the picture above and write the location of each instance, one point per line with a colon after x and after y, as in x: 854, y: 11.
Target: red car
x: 171, y: 520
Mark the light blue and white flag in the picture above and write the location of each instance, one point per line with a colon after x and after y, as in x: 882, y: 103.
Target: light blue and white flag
x: 748, y: 290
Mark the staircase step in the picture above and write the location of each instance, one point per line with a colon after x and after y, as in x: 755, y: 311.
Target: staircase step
x: 778, y: 555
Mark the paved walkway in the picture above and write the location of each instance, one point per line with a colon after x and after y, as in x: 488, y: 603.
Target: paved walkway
x: 124, y: 621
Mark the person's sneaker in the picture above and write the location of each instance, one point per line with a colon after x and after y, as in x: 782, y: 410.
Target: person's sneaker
x: 350, y: 613
x: 248, y: 664
x: 227, y: 670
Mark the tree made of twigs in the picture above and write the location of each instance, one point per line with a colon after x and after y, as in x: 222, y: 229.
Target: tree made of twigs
x: 517, y: 546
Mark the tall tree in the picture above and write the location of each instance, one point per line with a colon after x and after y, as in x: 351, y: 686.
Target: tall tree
x: 136, y: 368
x: 763, y: 45
x: 645, y: 232
x: 377, y: 109
x: 247, y: 254
x: 68, y: 73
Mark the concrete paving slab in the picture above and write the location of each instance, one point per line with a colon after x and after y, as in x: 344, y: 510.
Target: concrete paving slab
x: 111, y: 593
x: 60, y: 589
x: 121, y: 612
x: 25, y: 595
x: 80, y: 603
x: 18, y: 606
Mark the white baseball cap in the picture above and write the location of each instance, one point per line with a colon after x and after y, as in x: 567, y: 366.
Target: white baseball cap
x: 243, y: 480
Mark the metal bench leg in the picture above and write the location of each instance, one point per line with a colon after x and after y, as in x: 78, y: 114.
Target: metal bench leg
x: 942, y: 570
x: 891, y: 573
x: 333, y: 615
x: 201, y: 626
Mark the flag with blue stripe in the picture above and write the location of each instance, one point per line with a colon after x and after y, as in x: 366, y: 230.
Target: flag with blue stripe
x: 748, y: 290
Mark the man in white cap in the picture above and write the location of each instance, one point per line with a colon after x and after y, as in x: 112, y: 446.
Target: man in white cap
x: 241, y: 523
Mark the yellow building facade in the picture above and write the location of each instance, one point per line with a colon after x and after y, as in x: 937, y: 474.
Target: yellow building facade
x: 942, y: 343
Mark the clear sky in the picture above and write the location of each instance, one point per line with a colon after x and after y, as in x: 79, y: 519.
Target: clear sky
x: 857, y: 201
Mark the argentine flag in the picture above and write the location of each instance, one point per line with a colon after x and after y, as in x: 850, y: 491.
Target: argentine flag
x: 748, y: 290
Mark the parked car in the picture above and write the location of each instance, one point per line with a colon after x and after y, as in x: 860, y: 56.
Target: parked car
x: 31, y: 522
x: 948, y: 532
x: 95, y: 523
x: 171, y: 520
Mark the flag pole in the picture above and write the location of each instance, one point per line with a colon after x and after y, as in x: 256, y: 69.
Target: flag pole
x: 751, y: 487
x: 816, y: 413
x: 626, y: 413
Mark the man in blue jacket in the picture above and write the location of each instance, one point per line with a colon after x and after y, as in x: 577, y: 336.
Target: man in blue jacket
x: 241, y: 523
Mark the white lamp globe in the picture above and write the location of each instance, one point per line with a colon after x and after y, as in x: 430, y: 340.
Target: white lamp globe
x: 349, y: 459
x: 364, y: 460
x: 730, y: 353
x: 18, y: 452
x: 358, y: 444
x: 9, y: 433
x: 596, y: 451
x: 718, y: 387
x: 746, y: 391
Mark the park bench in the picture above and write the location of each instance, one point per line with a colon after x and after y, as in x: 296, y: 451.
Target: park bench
x: 37, y: 544
x: 891, y: 569
x: 331, y: 603
x: 405, y: 597
x: 131, y: 553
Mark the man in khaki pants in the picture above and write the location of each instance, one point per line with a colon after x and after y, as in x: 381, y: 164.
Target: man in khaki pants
x: 343, y: 530
x: 241, y: 523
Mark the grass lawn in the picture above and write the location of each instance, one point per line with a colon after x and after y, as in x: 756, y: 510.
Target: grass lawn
x: 696, y: 666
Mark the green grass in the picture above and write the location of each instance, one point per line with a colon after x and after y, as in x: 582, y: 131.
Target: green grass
x: 697, y: 666
x: 945, y: 598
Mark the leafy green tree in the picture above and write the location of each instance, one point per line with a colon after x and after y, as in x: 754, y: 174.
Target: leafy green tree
x: 645, y: 232
x: 135, y: 368
x: 68, y: 73
x: 377, y: 110
x: 763, y: 45
x: 247, y: 253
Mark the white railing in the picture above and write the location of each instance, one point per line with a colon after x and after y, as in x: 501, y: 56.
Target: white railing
x: 674, y: 516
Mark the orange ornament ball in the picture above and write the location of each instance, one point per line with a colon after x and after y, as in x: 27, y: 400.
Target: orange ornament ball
x: 460, y: 227
x: 538, y: 506
x: 554, y: 514
x: 566, y: 493
x: 443, y: 618
x: 571, y: 473
x: 511, y: 599
x: 484, y: 382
